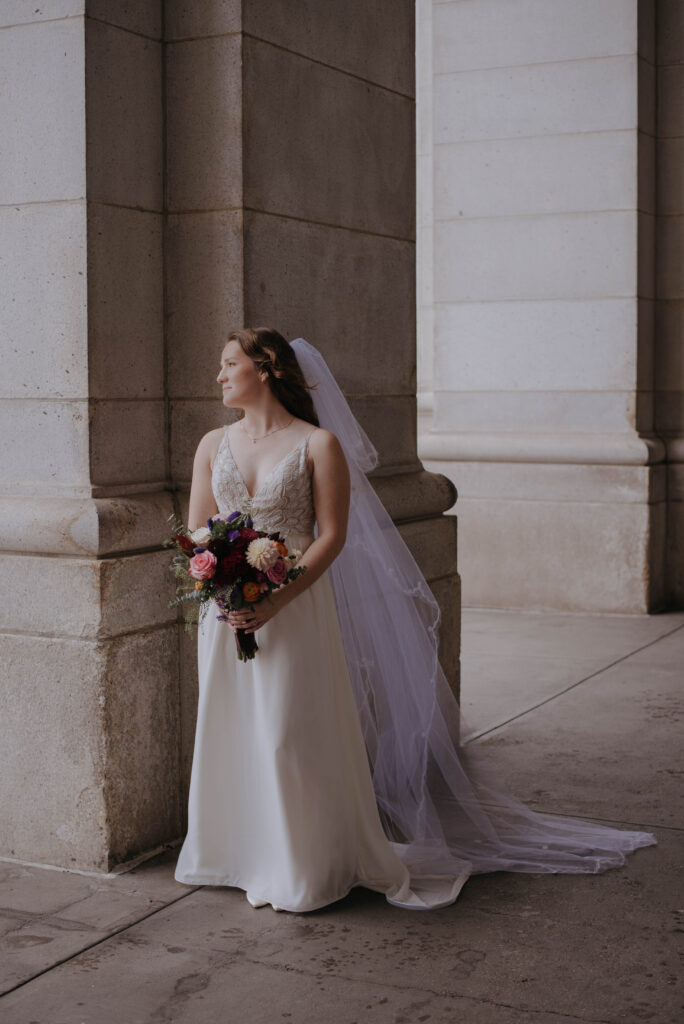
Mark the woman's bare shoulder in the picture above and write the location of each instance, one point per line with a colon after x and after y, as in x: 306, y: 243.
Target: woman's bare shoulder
x: 209, y: 443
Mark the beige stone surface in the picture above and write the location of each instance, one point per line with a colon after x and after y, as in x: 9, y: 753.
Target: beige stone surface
x: 143, y: 17
x: 203, y: 271
x: 567, y: 555
x: 124, y: 163
x: 494, y: 103
x: 560, y: 32
x: 367, y: 163
x: 341, y: 290
x: 185, y: 19
x: 44, y: 342
x: 43, y: 152
x: 125, y: 303
x: 204, y: 105
x: 342, y: 36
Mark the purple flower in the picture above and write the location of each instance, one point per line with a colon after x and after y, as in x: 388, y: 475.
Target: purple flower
x: 232, y: 516
x: 210, y: 522
x: 234, y: 595
x: 233, y: 535
x: 248, y: 522
x: 197, y: 550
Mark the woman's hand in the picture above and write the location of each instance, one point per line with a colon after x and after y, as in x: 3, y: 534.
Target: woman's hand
x: 254, y: 616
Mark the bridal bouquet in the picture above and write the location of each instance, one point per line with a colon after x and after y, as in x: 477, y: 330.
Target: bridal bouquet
x: 229, y: 562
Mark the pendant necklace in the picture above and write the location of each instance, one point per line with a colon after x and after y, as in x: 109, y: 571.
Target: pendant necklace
x: 274, y: 431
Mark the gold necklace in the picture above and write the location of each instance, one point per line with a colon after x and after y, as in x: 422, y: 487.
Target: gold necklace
x: 274, y: 431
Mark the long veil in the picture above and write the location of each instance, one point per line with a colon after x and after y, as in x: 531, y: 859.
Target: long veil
x: 440, y: 804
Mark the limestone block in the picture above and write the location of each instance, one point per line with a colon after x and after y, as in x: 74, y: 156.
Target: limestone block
x: 125, y: 303
x: 51, y: 705
x: 557, y: 256
x: 674, y: 553
x: 127, y: 444
x: 86, y: 598
x: 646, y: 187
x: 525, y: 346
x: 645, y: 356
x: 646, y: 96
x: 564, y: 556
x: 498, y: 33
x: 547, y: 174
x: 190, y: 421
x: 186, y: 19
x: 669, y: 367
x: 646, y: 266
x: 351, y: 171
x: 671, y: 411
x: 135, y: 592
x: 670, y: 106
x: 433, y: 542
x: 140, y: 683
x: 576, y: 447
x: 342, y: 291
x: 536, y: 100
x: 143, y: 17
x: 107, y: 715
x: 344, y: 36
x: 671, y: 176
x: 204, y: 282
x: 557, y: 411
x: 45, y: 323
x: 189, y: 694
x: 447, y: 591
x: 670, y: 31
x: 204, y: 127
x: 124, y: 156
x: 20, y: 12
x: 557, y: 482
x: 52, y: 453
x: 390, y: 422
x: 670, y: 280
x: 41, y: 105
x: 84, y: 526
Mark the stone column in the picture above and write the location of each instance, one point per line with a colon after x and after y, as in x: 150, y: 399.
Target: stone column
x: 669, y: 350
x: 170, y: 172
x: 291, y: 157
x: 90, y: 698
x: 542, y: 171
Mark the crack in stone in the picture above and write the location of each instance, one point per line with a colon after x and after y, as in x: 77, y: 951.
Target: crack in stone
x: 444, y: 994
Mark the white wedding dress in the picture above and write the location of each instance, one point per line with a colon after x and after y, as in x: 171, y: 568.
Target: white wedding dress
x: 281, y: 799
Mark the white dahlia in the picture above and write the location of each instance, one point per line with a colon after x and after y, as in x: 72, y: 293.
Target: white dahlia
x: 262, y: 553
x: 202, y: 535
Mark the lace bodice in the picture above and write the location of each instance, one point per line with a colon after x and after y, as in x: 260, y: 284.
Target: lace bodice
x: 283, y: 502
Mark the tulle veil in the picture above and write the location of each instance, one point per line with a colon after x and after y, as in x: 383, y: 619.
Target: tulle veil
x: 439, y: 802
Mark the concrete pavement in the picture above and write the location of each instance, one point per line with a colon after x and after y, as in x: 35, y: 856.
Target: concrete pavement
x: 580, y: 714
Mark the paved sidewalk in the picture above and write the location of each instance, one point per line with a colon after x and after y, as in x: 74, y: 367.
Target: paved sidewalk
x: 580, y: 714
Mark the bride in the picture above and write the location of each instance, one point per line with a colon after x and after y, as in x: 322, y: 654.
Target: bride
x: 333, y: 758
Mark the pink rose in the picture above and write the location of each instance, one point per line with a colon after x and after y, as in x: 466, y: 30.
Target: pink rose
x: 278, y: 572
x: 202, y: 565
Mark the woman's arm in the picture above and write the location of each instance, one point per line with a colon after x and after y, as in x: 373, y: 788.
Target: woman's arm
x: 202, y: 501
x: 331, y: 491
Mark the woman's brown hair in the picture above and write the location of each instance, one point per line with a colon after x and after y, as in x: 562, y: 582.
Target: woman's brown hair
x: 271, y: 352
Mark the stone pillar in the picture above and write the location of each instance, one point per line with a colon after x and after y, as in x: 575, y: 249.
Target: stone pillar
x: 291, y: 171
x: 90, y: 697
x: 170, y: 172
x: 669, y: 349
x: 541, y: 407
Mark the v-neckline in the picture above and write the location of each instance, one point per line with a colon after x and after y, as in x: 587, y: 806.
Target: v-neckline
x: 271, y: 470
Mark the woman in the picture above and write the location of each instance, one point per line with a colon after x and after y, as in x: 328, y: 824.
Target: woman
x: 333, y: 758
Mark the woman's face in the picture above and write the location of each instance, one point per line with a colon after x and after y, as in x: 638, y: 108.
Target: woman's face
x: 238, y: 376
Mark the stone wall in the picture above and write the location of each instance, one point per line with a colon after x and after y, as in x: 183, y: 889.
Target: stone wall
x: 175, y: 171
x: 538, y: 195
